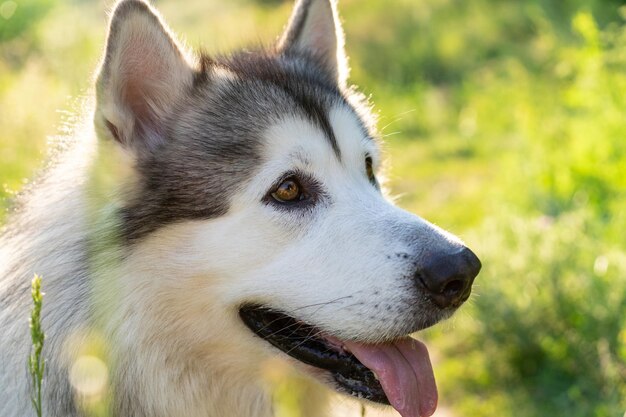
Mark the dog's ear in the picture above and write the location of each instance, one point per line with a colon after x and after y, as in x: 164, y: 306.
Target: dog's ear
x: 314, y: 30
x: 143, y: 77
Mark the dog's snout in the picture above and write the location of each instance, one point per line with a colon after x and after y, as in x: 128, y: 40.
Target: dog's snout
x: 448, y: 277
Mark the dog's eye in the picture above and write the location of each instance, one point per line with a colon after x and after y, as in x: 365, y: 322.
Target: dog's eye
x: 369, y: 169
x: 288, y: 191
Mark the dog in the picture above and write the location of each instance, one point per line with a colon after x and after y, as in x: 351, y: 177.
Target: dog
x: 217, y: 213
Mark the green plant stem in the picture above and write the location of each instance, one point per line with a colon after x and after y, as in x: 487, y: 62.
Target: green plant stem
x: 35, y: 361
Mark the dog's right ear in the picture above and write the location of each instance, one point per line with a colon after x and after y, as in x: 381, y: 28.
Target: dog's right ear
x: 314, y: 30
x: 143, y: 77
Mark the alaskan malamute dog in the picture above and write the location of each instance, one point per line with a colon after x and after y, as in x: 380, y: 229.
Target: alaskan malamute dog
x: 227, y: 211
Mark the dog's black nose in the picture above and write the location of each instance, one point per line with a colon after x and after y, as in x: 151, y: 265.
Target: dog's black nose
x: 448, y: 277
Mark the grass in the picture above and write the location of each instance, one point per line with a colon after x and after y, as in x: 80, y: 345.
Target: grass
x: 504, y: 122
x: 36, y: 364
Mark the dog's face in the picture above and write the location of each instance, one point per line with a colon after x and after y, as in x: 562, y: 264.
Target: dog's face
x: 256, y: 184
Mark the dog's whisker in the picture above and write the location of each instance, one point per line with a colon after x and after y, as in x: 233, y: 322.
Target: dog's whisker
x: 397, y: 118
x: 320, y: 305
x: 324, y: 303
x: 282, y: 329
x: 307, y: 338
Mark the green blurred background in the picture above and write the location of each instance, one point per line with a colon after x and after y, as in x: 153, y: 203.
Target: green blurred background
x: 505, y: 122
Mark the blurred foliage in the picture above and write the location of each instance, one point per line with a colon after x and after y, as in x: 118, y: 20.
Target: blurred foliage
x: 505, y: 123
x: 18, y: 17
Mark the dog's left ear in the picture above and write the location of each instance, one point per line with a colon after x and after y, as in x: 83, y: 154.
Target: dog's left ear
x: 314, y: 30
x: 144, y: 76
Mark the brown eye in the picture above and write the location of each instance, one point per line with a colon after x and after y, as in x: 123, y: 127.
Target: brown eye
x: 369, y: 169
x: 288, y: 191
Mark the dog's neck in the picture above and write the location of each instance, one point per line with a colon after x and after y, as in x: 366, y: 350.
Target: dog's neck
x: 161, y: 386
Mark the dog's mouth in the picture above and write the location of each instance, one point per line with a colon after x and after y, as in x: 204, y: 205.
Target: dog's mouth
x: 396, y: 373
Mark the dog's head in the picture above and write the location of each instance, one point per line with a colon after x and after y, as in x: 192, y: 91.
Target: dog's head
x: 256, y: 194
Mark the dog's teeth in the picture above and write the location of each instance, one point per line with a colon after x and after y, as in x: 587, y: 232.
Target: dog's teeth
x: 375, y: 376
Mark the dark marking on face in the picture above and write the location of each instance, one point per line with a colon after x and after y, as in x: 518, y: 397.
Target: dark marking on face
x: 307, y: 85
x: 213, y: 143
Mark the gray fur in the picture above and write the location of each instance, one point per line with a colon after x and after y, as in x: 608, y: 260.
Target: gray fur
x: 55, y: 239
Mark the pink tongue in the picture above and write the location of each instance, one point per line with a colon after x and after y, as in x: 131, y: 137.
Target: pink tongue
x: 405, y: 373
